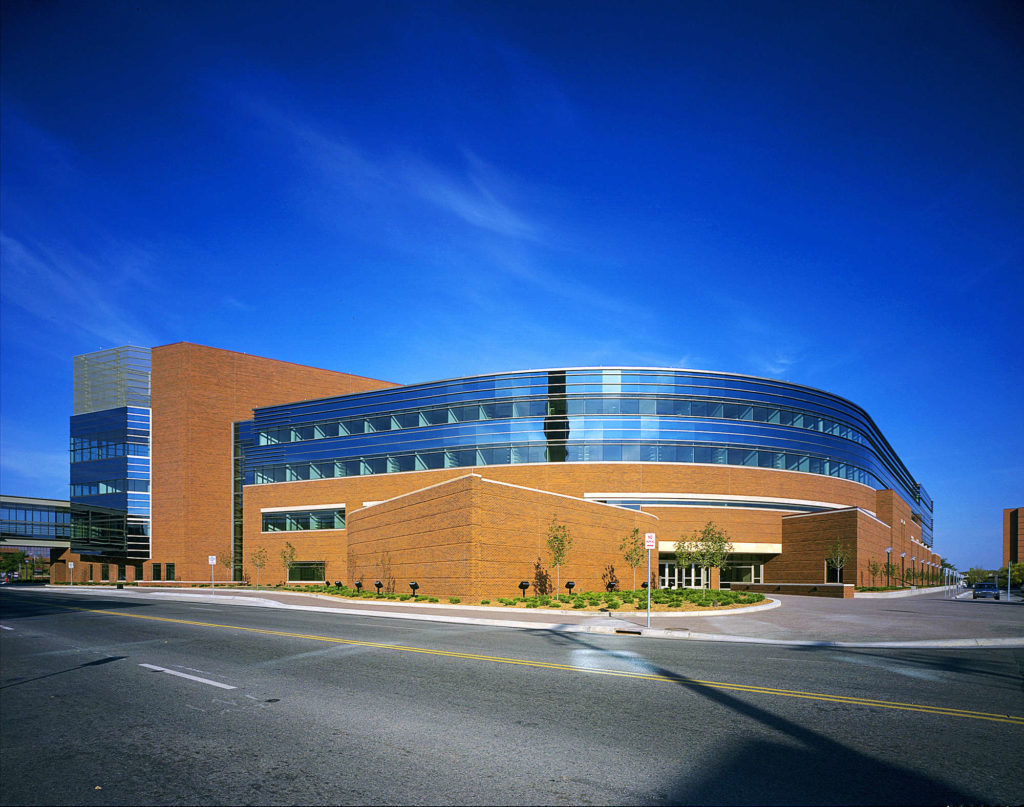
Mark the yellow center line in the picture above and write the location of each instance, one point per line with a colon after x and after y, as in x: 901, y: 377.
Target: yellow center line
x: 751, y: 688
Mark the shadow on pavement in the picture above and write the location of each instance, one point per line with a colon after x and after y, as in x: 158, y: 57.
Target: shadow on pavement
x: 950, y: 661
x: 18, y: 605
x: 803, y: 767
x: 19, y: 681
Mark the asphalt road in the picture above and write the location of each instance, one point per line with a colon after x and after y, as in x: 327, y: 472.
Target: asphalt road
x: 118, y: 701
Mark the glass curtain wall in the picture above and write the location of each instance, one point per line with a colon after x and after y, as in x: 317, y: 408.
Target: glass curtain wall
x: 579, y: 415
x: 110, y: 454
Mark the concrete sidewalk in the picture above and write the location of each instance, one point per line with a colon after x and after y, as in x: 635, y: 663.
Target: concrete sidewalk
x: 927, y: 619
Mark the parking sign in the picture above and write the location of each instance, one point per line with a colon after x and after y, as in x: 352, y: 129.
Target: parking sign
x: 650, y: 541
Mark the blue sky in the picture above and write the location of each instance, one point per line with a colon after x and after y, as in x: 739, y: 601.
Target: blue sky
x: 826, y: 193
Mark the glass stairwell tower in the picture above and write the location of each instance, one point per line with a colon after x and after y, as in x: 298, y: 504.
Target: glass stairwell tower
x: 110, y: 454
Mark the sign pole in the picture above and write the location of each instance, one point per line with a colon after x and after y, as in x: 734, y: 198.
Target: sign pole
x: 650, y: 542
x: 213, y: 567
x: 71, y: 572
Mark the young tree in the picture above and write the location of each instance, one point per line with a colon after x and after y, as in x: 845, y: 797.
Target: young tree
x: 227, y: 560
x: 559, y: 544
x: 873, y: 569
x: 287, y: 559
x: 837, y: 557
x: 258, y: 558
x: 632, y: 549
x: 707, y: 548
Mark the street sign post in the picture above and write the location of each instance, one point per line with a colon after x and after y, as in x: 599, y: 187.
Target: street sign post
x: 71, y: 572
x: 213, y: 568
x: 650, y: 542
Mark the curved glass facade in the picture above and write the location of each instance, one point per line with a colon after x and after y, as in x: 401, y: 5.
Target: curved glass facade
x: 579, y: 415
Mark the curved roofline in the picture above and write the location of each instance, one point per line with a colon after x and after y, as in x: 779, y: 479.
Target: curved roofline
x: 723, y: 373
x: 632, y: 368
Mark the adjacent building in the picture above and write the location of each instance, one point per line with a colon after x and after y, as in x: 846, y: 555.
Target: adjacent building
x: 38, y: 530
x: 1013, y: 544
x: 453, y: 484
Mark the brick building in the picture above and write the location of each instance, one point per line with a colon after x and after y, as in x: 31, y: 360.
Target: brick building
x: 1013, y: 542
x: 454, y: 483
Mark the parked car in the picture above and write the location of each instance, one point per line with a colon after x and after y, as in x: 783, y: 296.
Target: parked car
x: 985, y: 590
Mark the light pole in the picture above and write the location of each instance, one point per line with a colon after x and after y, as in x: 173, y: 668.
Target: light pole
x: 903, y: 568
x: 888, y: 565
x: 913, y: 567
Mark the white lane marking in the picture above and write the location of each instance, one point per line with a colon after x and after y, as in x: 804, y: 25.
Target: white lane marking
x: 5, y: 627
x: 189, y: 677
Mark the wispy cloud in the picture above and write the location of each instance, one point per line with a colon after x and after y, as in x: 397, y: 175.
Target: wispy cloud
x: 488, y: 222
x: 230, y: 301
x: 68, y: 290
x: 474, y: 193
x: 473, y: 197
x: 775, y: 364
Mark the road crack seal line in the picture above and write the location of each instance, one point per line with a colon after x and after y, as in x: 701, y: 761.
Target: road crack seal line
x: 943, y: 711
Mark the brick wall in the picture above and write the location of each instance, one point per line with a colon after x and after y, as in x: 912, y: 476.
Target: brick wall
x: 868, y: 536
x: 198, y: 392
x: 472, y: 537
x: 1013, y: 541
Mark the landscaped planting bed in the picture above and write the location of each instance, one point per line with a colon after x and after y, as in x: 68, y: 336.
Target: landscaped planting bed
x: 661, y: 599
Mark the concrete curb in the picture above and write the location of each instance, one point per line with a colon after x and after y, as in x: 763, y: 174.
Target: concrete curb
x: 192, y: 594
x: 609, y: 629
x: 881, y: 595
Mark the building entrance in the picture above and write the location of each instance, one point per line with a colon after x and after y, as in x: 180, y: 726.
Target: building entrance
x: 671, y: 575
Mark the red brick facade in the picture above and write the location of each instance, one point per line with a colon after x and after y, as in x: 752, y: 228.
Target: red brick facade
x: 443, y: 512
x: 198, y: 393
x: 475, y: 537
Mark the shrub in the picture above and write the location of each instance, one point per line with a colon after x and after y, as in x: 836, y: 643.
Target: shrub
x: 431, y: 599
x: 579, y: 604
x: 531, y: 605
x: 404, y: 597
x: 454, y: 600
x: 611, y: 605
x: 485, y: 602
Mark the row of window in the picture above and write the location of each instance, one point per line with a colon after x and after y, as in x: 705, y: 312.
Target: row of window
x: 586, y: 452
x: 36, y: 515
x: 158, y: 572
x: 561, y: 383
x: 304, y: 520
x: 122, y: 572
x: 34, y: 529
x: 110, y: 486
x: 502, y: 410
x: 103, y: 451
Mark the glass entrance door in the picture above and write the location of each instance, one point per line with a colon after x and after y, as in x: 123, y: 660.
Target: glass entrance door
x: 671, y: 575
